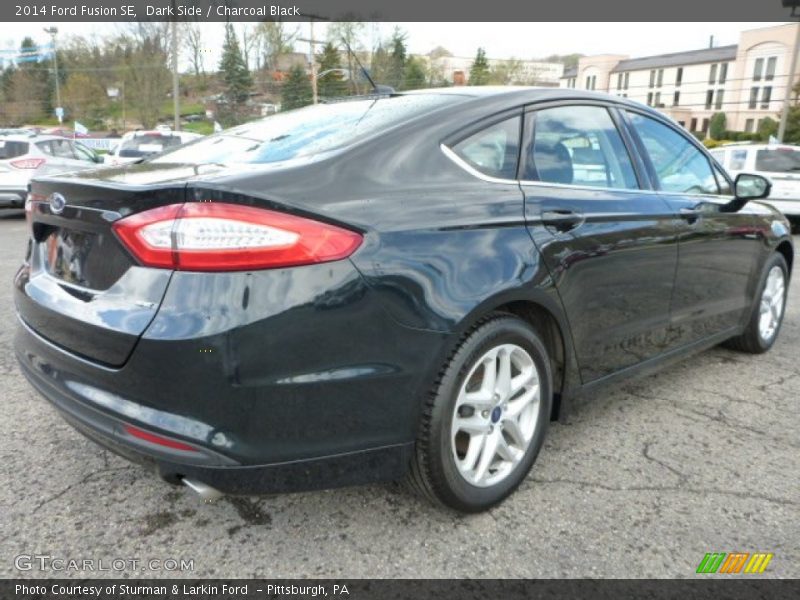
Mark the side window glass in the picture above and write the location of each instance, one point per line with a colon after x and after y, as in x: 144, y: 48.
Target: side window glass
x: 83, y: 153
x: 493, y: 151
x: 738, y: 158
x: 62, y: 149
x: 679, y: 165
x: 577, y: 145
x: 45, y: 147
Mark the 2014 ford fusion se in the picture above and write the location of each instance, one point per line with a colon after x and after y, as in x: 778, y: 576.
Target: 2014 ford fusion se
x: 409, y: 285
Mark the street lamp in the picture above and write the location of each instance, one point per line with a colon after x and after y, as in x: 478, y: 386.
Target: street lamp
x: 53, y: 31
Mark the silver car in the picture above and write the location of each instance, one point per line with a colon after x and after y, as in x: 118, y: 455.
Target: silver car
x: 24, y: 156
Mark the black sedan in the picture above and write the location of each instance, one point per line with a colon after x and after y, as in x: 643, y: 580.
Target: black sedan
x: 409, y: 285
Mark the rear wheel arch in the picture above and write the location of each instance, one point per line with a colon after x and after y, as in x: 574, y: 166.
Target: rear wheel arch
x: 545, y: 321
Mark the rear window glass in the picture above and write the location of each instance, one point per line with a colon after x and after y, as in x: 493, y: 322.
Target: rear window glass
x: 143, y: 145
x: 307, y: 131
x: 9, y: 149
x: 779, y: 160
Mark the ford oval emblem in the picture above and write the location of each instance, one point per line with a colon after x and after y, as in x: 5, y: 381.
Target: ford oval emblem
x: 57, y: 203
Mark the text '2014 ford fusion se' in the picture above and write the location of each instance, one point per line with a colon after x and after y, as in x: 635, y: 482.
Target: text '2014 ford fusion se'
x: 408, y: 285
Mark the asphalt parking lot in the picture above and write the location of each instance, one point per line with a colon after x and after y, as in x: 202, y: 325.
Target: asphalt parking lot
x: 642, y: 482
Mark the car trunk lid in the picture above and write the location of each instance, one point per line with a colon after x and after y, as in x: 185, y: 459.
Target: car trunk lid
x: 79, y: 287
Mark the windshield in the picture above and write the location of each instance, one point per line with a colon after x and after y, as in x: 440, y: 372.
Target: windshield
x: 143, y: 145
x: 778, y: 160
x: 306, y: 131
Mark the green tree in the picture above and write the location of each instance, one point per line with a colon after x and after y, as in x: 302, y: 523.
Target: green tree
x: 330, y: 83
x: 416, y: 76
x: 296, y: 91
x: 767, y: 128
x: 397, y: 59
x: 236, y: 79
x: 479, y: 71
x: 717, y: 127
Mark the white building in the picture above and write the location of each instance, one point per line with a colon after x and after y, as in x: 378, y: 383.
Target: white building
x: 746, y: 81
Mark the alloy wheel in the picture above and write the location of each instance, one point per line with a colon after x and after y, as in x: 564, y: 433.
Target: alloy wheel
x: 771, y: 306
x: 495, y: 415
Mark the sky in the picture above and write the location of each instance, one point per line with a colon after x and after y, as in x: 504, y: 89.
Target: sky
x: 500, y: 40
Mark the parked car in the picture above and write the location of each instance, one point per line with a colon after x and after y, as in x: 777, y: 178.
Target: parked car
x: 779, y: 162
x: 136, y: 145
x: 402, y: 286
x: 26, y: 155
x: 65, y: 132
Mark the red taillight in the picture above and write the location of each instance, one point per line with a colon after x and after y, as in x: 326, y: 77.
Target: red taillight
x: 157, y: 439
x: 214, y: 236
x: 27, y: 163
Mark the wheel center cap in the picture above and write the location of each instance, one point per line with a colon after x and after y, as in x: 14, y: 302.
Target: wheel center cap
x: 496, y: 414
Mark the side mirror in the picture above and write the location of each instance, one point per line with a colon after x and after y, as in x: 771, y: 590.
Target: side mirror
x: 751, y: 187
x: 746, y: 187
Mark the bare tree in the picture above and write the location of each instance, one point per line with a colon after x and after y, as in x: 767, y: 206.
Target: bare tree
x: 195, y: 47
x: 349, y: 34
x: 274, y: 38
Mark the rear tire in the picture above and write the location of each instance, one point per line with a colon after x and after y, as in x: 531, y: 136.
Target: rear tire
x: 768, y: 309
x: 485, y: 419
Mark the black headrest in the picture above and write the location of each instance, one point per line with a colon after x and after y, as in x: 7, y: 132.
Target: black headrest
x: 553, y: 163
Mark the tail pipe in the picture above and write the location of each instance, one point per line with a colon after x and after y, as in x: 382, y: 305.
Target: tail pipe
x: 206, y: 492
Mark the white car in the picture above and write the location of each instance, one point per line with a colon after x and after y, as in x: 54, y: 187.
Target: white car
x: 24, y: 156
x: 779, y: 162
x: 135, y: 145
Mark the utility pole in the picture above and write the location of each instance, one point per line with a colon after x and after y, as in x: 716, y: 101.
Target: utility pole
x: 176, y: 102
x: 53, y: 31
x: 787, y: 99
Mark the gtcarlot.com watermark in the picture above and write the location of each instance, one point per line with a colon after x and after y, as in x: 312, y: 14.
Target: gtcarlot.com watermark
x: 46, y: 562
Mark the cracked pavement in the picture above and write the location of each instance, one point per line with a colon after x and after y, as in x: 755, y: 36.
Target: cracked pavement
x: 641, y: 482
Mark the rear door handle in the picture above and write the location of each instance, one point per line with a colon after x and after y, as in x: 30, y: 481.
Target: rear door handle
x: 562, y: 220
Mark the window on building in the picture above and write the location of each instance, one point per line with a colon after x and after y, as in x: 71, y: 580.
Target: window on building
x: 679, y: 77
x: 720, y: 96
x: 706, y: 123
x: 753, y: 97
x: 658, y: 99
x: 712, y: 74
x: 748, y: 125
x: 660, y: 78
x: 676, y: 98
x: 594, y: 82
x: 772, y: 62
x: 693, y: 125
x: 723, y: 72
x: 709, y: 98
x: 652, y: 78
x: 682, y: 124
x: 679, y: 165
x: 649, y: 98
x: 627, y: 80
x: 766, y: 96
x: 619, y: 81
x: 757, y: 70
x: 588, y: 82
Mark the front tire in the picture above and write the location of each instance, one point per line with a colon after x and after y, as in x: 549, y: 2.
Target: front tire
x: 485, y: 420
x: 767, y: 314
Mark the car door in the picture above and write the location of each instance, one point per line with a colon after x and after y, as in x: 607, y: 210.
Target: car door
x: 717, y: 249
x: 607, y: 238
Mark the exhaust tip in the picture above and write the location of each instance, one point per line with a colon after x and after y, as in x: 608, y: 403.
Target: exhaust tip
x: 206, y: 492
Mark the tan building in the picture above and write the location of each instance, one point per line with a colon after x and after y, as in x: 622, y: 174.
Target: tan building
x: 746, y: 81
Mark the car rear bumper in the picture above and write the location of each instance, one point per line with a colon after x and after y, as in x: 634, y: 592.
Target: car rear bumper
x: 12, y: 198
x: 78, y: 405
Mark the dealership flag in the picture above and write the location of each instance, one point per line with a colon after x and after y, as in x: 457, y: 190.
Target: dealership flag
x: 80, y: 129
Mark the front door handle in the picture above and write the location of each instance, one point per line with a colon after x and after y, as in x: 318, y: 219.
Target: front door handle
x: 562, y: 220
x: 690, y: 215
